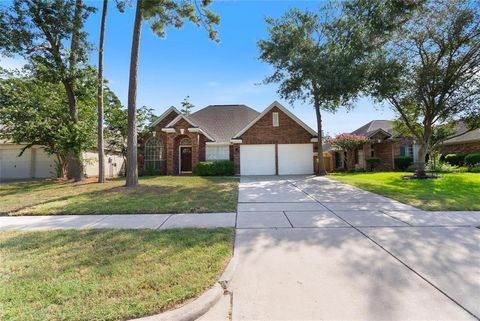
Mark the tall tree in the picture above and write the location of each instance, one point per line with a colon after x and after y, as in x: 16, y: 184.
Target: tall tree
x: 429, y: 72
x: 39, y: 31
x: 310, y: 65
x: 321, y: 58
x: 187, y: 106
x: 100, y: 141
x: 161, y: 14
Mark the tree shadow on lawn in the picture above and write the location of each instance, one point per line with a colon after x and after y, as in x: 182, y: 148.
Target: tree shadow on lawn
x: 143, y: 199
x: 110, y: 269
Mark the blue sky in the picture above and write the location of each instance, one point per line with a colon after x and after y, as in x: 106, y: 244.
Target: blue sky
x: 186, y: 62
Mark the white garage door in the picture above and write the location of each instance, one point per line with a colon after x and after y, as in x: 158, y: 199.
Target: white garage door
x: 12, y: 166
x: 295, y: 159
x: 44, y: 164
x: 257, y: 159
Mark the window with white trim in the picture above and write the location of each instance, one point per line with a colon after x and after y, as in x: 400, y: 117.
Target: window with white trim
x: 153, y: 154
x: 217, y: 152
x: 275, y: 119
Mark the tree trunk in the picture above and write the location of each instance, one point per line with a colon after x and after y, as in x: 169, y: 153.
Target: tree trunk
x: 132, y: 170
x: 321, y: 161
x: 420, y: 165
x: 74, y: 157
x: 100, y: 142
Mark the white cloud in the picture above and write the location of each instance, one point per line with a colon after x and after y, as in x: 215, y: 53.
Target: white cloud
x: 12, y: 63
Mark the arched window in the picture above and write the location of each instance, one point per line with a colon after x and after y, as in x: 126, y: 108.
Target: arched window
x: 153, y: 155
x: 185, y: 141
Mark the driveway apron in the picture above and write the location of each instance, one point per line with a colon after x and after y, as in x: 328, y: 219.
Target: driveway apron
x: 310, y: 248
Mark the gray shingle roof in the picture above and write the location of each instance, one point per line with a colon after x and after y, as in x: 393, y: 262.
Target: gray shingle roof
x: 223, y: 121
x: 465, y: 138
x: 374, y: 125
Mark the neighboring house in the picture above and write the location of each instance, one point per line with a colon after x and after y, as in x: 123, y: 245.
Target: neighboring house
x: 36, y: 163
x: 464, y: 144
x: 384, y: 143
x: 274, y: 142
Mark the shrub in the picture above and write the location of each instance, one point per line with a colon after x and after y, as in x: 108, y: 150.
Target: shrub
x: 402, y: 162
x: 475, y: 169
x: 412, y: 168
x: 217, y: 168
x: 455, y: 159
x: 373, y: 162
x: 472, y: 160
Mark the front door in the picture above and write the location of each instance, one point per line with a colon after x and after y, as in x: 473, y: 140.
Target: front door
x: 185, y: 159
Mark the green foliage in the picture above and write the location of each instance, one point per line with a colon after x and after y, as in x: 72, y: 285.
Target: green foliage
x: 35, y: 112
x: 475, y: 169
x: 373, y: 162
x: 426, y: 69
x: 164, y: 13
x: 216, y: 168
x: 472, y: 159
x: 435, y: 164
x: 402, y: 162
x: 455, y: 159
x: 412, y: 168
x: 150, y: 170
x: 347, y: 141
x: 116, y: 125
x: 187, y: 106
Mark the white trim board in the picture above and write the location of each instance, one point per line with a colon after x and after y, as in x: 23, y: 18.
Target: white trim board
x: 282, y: 108
x: 180, y: 116
x: 165, y: 114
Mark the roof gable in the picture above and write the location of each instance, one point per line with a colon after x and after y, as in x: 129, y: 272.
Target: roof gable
x: 165, y: 114
x: 284, y: 110
x: 181, y: 116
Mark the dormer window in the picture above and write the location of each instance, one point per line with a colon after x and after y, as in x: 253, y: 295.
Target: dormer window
x: 275, y: 119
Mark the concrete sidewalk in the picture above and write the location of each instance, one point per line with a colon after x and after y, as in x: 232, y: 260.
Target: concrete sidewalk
x: 126, y: 221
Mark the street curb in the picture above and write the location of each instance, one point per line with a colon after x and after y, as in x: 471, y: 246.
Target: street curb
x: 201, y: 305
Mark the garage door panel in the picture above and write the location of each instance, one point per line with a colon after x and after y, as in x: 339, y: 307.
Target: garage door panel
x: 295, y: 159
x: 44, y: 164
x: 257, y: 160
x: 12, y: 166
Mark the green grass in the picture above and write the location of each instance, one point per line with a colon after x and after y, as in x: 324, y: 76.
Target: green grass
x: 160, y: 194
x: 450, y: 192
x: 106, y: 274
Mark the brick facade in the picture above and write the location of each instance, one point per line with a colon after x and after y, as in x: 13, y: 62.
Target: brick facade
x: 461, y: 148
x: 171, y: 145
x: 263, y: 132
x: 159, y: 134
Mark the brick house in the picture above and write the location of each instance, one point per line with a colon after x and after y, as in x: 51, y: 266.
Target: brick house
x: 386, y: 144
x: 465, y: 144
x: 383, y: 143
x: 274, y: 142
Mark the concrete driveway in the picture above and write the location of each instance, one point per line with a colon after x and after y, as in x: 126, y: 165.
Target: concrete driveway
x: 310, y: 248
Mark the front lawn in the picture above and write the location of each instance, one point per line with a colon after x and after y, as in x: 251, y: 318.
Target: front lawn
x: 160, y: 194
x: 450, y: 192
x: 106, y: 274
